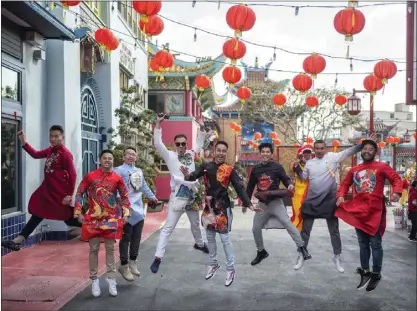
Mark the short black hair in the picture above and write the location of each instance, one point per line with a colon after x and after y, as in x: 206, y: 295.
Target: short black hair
x: 129, y: 148
x: 106, y: 151
x: 319, y: 141
x: 180, y: 136
x: 222, y: 142
x: 57, y: 128
x: 266, y: 145
x: 414, y: 184
x: 370, y: 142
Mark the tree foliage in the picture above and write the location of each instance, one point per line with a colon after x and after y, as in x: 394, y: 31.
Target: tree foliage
x: 318, y: 122
x: 135, y: 130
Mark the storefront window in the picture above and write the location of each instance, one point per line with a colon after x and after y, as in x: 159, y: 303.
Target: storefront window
x: 10, y: 166
x: 10, y: 84
x: 124, y: 80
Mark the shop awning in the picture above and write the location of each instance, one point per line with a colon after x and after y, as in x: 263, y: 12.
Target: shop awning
x: 39, y: 19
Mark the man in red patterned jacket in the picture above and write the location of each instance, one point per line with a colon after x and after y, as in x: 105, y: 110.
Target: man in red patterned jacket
x: 366, y: 211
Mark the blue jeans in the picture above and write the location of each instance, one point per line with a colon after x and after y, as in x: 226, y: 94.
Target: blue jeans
x: 227, y: 247
x: 366, y: 244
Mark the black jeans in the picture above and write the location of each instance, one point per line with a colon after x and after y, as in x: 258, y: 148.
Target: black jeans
x: 413, y: 217
x: 366, y: 244
x: 34, y: 221
x: 332, y: 225
x: 130, y: 242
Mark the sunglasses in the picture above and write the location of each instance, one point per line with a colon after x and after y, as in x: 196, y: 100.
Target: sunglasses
x: 181, y: 144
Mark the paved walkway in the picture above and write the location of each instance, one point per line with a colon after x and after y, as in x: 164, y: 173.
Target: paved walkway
x: 272, y: 285
x: 46, y: 276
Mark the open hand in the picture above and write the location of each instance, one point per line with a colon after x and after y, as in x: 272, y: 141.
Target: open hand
x: 67, y: 200
x: 339, y: 201
x: 160, y: 117
x: 256, y: 208
x: 21, y: 136
x: 185, y: 172
x: 291, y: 188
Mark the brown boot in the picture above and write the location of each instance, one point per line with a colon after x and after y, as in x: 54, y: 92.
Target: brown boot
x: 134, y: 267
x: 125, y: 272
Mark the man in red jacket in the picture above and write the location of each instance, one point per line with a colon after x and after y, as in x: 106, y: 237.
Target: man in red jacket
x: 412, y: 211
x: 366, y: 211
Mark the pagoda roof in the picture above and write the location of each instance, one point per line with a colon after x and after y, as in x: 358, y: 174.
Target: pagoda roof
x: 379, y: 127
x: 182, y: 68
x: 236, y: 106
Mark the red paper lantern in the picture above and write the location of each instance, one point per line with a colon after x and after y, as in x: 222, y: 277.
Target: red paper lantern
x: 240, y: 18
x: 233, y: 125
x: 67, y: 4
x: 372, y: 84
x: 277, y: 142
x: 302, y: 82
x: 335, y: 143
x: 231, y: 75
x: 113, y: 43
x: 153, y: 27
x: 389, y: 140
x: 312, y: 101
x: 381, y: 144
x: 309, y: 140
x: 243, y: 93
x: 164, y: 59
x: 397, y: 140
x: 238, y: 129
x: 255, y: 146
x: 279, y: 100
x: 273, y: 135
x: 349, y: 22
x: 250, y: 142
x: 105, y: 38
x: 234, y: 49
x: 340, y: 100
x: 202, y: 82
x: 257, y: 136
x: 314, y: 64
x: 385, y: 70
x: 146, y: 8
x: 153, y: 65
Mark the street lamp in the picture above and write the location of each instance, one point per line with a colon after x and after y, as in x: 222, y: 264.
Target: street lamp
x: 354, y: 100
x: 354, y: 105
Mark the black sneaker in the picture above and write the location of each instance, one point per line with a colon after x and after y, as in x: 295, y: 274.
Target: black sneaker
x: 303, y: 250
x: 155, y: 265
x: 375, y: 278
x: 365, y: 278
x: 11, y: 245
x: 259, y: 257
x: 414, y: 240
x: 203, y: 248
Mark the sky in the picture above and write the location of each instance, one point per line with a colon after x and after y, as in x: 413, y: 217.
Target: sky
x: 384, y: 36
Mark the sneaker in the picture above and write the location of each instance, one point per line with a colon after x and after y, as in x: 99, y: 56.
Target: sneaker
x: 261, y: 255
x: 211, y: 271
x: 230, y: 277
x: 414, y: 240
x: 155, y: 265
x: 300, y: 262
x: 95, y: 288
x: 133, y: 266
x: 337, y: 259
x: 125, y: 272
x: 112, y: 287
x: 303, y: 251
x: 375, y: 278
x: 365, y: 278
x: 203, y: 248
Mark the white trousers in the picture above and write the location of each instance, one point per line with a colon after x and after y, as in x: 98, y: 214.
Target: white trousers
x: 171, y: 222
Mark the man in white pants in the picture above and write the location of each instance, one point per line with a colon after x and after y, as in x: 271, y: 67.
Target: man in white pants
x: 180, y: 189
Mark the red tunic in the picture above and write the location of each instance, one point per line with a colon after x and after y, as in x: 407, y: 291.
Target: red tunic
x: 59, y: 182
x: 366, y: 211
x: 412, y: 197
x: 103, y: 218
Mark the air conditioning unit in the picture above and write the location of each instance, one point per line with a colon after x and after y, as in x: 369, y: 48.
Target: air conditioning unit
x: 33, y: 38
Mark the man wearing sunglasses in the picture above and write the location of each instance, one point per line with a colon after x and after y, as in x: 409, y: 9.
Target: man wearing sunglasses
x: 183, y: 192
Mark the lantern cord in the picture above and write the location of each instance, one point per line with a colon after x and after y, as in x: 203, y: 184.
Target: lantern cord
x: 90, y: 20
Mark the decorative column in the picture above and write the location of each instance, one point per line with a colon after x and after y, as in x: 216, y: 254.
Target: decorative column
x: 194, y: 107
x: 188, y: 103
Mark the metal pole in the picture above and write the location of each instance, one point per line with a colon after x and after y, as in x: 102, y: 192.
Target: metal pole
x: 371, y: 116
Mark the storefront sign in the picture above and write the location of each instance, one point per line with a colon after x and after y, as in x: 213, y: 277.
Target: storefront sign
x: 126, y: 58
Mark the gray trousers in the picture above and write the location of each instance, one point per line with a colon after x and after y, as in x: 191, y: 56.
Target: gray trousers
x: 276, y: 209
x: 332, y: 225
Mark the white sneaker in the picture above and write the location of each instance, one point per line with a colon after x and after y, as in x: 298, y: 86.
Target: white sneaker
x: 338, y: 263
x: 95, y: 288
x: 211, y: 271
x: 300, y: 262
x: 112, y: 287
x: 230, y: 277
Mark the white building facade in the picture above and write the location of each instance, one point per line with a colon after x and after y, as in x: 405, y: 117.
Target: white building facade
x: 53, y: 72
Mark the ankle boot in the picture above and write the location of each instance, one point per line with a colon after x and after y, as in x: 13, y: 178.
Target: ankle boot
x: 303, y: 250
x: 261, y: 255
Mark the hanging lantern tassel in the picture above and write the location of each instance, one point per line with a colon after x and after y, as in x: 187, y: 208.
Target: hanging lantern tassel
x: 242, y: 101
x: 201, y: 91
x: 52, y: 5
x: 238, y: 33
x: 383, y: 89
x: 348, y: 50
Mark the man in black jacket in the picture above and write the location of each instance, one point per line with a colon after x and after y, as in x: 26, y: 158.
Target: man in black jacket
x: 267, y: 176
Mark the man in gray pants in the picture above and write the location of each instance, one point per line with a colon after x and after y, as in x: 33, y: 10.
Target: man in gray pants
x: 266, y: 177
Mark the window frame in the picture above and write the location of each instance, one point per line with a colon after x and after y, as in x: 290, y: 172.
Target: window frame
x: 125, y: 74
x: 125, y: 9
x: 19, y: 71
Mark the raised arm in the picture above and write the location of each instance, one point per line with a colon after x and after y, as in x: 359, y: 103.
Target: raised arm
x: 124, y: 202
x: 345, y: 185
x: 36, y: 154
x: 159, y: 145
x: 343, y: 155
x: 79, y: 197
x: 68, y: 163
x: 237, y: 184
x: 201, y: 137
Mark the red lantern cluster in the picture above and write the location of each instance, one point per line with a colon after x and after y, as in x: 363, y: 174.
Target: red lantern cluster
x: 349, y: 22
x: 202, y: 82
x: 279, y: 100
x: 273, y: 135
x: 385, y: 70
x: 277, y: 142
x: 381, y: 144
x: 240, y: 18
x: 257, y: 136
x: 340, y: 100
x: 231, y: 75
x: 106, y: 39
x: 146, y: 9
x: 162, y: 61
x: 314, y: 64
x: 372, y: 84
x: 153, y: 26
x: 234, y: 49
x: 67, y: 4
x: 243, y: 93
x: 235, y: 127
x: 312, y: 101
x: 302, y: 82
